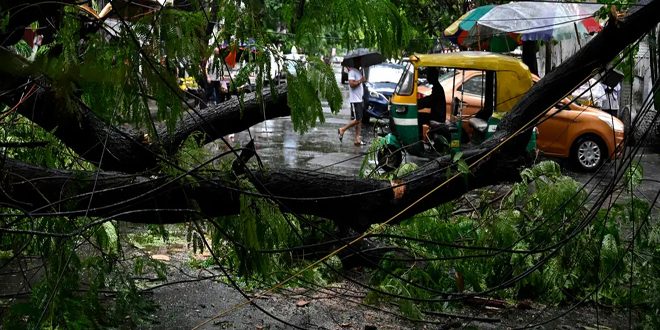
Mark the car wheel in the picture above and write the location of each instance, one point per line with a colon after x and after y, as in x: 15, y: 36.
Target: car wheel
x: 588, y: 153
x: 389, y: 158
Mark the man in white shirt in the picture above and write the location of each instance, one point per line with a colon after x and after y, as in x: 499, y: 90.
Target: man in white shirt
x: 356, y: 90
x: 610, y: 103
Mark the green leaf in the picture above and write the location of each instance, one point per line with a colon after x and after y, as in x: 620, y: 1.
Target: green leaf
x: 306, y: 88
x: 111, y: 234
x: 106, y: 238
x: 634, y: 175
x: 6, y: 254
x: 463, y: 167
x: 458, y: 155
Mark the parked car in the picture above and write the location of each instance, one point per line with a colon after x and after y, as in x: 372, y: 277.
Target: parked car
x: 583, y: 134
x: 382, y: 78
x: 479, y: 89
x: 381, y: 81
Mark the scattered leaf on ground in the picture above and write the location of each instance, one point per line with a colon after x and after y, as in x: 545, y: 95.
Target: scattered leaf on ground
x: 160, y: 257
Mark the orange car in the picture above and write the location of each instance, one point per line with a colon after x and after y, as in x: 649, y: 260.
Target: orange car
x: 584, y: 134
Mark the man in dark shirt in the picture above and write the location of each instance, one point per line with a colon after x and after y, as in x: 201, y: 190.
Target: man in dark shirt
x: 436, y: 101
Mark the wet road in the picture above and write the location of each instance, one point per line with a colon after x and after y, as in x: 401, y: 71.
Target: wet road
x: 319, y: 149
x: 279, y: 145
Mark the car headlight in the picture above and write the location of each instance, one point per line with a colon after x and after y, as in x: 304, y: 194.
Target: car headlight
x: 613, y: 123
x: 373, y: 94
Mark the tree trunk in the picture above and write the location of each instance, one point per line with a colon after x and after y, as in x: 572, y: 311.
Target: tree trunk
x: 654, y: 45
x: 350, y: 202
x: 39, y: 191
x: 359, y: 203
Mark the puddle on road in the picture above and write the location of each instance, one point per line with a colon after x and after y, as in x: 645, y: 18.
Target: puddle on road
x: 319, y: 149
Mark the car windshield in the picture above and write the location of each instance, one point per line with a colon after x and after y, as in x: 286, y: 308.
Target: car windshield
x: 385, y: 73
x: 405, y: 85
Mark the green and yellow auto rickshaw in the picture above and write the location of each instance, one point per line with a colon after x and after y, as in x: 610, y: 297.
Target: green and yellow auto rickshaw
x: 471, y: 93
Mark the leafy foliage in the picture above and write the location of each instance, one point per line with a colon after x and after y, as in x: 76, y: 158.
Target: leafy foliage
x: 373, y: 22
x: 75, y: 259
x: 245, y: 241
x: 72, y: 275
x: 306, y: 88
x: 429, y: 19
x: 634, y: 175
x: 540, y: 244
x: 370, y: 168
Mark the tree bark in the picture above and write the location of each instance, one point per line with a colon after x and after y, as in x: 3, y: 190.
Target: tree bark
x: 358, y: 203
x: 227, y: 117
x: 39, y: 191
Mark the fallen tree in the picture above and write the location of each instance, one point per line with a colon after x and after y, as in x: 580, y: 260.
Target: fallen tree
x: 160, y: 198
x: 124, y: 148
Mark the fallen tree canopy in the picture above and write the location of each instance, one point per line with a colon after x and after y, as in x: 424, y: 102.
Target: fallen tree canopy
x: 135, y: 187
x: 123, y: 148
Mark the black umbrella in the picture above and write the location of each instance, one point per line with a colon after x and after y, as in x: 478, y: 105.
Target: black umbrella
x: 367, y: 58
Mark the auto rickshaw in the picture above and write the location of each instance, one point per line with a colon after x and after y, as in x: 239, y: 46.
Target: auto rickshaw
x: 494, y: 82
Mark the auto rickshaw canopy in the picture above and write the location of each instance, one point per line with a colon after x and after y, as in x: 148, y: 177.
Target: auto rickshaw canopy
x: 513, y: 76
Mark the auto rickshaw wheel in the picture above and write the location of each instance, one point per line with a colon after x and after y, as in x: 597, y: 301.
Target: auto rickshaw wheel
x: 389, y: 157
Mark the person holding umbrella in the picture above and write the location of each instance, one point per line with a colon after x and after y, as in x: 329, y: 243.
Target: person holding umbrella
x: 355, y: 60
x: 356, y: 90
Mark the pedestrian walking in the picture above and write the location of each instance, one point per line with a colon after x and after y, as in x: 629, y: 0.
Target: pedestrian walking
x: 356, y: 91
